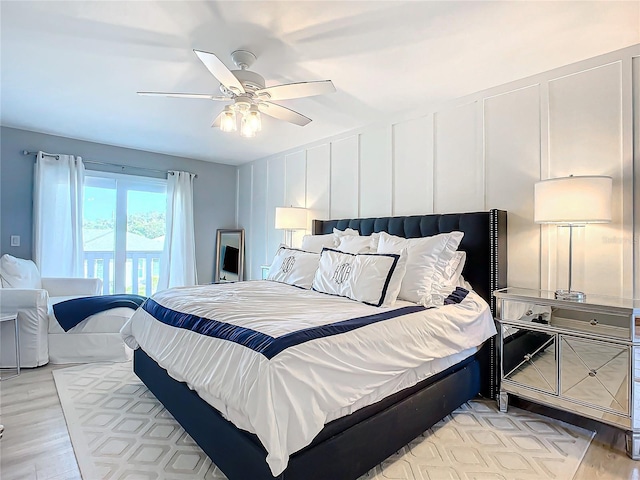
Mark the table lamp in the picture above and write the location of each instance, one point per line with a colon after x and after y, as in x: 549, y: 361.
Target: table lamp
x: 290, y: 219
x: 573, y: 202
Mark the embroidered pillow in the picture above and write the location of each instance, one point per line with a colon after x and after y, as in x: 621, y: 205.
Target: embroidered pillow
x: 363, y: 277
x: 295, y: 267
x: 427, y: 258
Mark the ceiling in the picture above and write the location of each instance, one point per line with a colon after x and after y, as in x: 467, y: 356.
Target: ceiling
x: 73, y: 68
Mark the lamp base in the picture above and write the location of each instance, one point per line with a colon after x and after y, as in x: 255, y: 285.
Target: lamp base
x: 570, y: 295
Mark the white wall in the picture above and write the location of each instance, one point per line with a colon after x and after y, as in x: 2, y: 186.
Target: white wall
x: 482, y: 151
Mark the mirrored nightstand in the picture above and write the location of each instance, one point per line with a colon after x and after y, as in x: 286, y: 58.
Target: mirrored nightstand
x: 582, y: 357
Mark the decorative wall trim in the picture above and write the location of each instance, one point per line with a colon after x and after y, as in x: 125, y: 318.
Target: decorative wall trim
x: 616, y: 278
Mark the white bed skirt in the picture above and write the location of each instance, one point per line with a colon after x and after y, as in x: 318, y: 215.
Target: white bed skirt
x: 88, y: 348
x: 95, y: 339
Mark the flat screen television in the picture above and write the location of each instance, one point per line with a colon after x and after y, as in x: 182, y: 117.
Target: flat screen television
x: 230, y: 259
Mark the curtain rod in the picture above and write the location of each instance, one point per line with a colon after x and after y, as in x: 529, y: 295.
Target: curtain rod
x: 119, y: 165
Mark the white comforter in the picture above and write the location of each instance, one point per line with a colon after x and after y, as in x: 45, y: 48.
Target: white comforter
x: 288, y: 398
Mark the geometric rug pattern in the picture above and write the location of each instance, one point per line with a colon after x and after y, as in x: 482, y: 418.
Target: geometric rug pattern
x: 119, y: 431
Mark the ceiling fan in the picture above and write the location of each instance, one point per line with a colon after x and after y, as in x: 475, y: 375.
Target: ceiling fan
x: 249, y: 94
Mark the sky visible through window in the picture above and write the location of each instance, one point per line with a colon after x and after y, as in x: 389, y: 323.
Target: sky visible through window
x: 100, y: 203
x: 135, y: 269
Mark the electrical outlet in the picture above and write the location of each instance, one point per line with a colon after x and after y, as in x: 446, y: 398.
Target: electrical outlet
x: 15, y: 240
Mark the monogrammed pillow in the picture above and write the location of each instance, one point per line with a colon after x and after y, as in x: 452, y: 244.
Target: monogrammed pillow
x: 295, y: 267
x: 364, y: 277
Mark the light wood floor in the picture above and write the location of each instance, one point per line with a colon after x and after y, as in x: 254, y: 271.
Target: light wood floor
x: 36, y: 442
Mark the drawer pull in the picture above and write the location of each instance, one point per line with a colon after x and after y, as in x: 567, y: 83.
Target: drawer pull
x: 592, y: 373
x: 594, y: 322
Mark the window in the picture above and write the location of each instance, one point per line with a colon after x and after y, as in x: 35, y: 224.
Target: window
x: 123, y: 230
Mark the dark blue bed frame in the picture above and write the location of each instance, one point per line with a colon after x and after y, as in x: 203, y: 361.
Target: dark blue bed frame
x: 349, y: 447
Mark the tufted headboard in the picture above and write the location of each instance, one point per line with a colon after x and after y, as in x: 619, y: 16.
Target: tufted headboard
x: 485, y: 241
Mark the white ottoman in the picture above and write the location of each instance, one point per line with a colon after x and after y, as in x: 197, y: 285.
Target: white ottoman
x: 96, y: 339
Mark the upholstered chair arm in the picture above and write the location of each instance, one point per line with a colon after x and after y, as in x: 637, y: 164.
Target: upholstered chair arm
x: 16, y: 299
x: 33, y: 320
x: 66, y: 287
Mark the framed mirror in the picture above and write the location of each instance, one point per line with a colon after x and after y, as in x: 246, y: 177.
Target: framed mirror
x: 229, y: 255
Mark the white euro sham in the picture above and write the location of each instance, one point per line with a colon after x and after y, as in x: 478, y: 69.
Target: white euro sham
x: 427, y: 258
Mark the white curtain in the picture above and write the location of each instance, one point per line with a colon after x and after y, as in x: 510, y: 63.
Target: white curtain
x: 57, y: 215
x: 178, y: 261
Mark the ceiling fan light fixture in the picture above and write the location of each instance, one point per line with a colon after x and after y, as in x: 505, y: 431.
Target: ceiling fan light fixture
x: 254, y: 118
x: 247, y: 127
x: 228, y: 120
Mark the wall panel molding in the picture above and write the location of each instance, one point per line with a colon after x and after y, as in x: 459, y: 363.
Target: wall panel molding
x: 276, y: 175
x: 413, y: 166
x: 512, y: 159
x: 635, y: 83
x: 376, y: 174
x: 319, y: 182
x: 586, y: 138
x: 485, y: 151
x: 459, y: 171
x: 296, y: 186
x: 345, y: 178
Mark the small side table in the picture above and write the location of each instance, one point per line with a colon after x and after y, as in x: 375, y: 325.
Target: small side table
x: 265, y: 271
x: 7, y: 317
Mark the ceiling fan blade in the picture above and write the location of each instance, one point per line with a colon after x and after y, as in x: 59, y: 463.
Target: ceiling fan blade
x: 220, y: 71
x: 296, y: 90
x: 283, y: 113
x: 184, y: 95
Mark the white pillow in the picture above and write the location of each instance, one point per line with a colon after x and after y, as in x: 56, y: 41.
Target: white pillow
x: 346, y: 232
x: 396, y: 280
x: 427, y: 258
x: 295, y: 267
x: 315, y: 243
x: 19, y: 273
x: 353, y: 244
x: 364, y: 277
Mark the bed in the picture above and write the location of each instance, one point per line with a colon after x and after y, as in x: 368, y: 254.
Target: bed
x: 349, y: 446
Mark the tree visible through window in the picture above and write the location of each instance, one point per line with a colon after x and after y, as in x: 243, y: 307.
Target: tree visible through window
x: 124, y: 228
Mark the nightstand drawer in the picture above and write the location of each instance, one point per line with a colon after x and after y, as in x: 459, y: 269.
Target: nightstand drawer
x: 595, y: 373
x: 598, y: 323
x: 524, y: 311
x: 610, y: 325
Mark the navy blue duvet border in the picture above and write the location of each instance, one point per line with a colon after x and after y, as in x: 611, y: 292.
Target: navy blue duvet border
x: 271, y: 346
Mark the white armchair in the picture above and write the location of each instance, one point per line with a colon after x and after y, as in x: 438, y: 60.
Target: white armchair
x: 25, y: 292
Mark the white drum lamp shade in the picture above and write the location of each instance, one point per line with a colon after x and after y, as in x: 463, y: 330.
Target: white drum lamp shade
x: 291, y: 218
x: 573, y: 200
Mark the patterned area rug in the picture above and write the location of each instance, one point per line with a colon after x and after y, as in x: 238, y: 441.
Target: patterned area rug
x: 120, y: 431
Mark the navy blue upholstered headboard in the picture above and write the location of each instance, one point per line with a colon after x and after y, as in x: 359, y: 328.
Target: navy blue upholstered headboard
x: 485, y: 240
